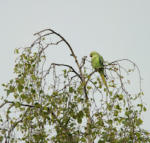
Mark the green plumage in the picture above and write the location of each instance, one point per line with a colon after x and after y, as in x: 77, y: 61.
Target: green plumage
x: 97, y: 62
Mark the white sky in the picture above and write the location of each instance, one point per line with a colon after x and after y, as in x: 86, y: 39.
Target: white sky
x: 115, y: 28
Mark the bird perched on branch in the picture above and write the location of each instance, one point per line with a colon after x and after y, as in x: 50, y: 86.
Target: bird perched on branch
x: 97, y: 62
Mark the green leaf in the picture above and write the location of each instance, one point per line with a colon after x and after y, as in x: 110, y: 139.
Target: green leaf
x: 17, y: 104
x: 110, y: 122
x: 70, y: 89
x: 83, y: 139
x: 33, y: 91
x: 20, y: 88
x: 12, y: 89
x: 120, y: 97
x: 37, y: 105
x: 16, y: 51
x: 139, y: 121
x: 81, y: 114
x: 101, y: 141
x: 55, y: 93
x: 116, y: 113
x: 23, y: 96
x: 80, y: 89
x: 109, y: 107
x: 79, y: 120
x: 16, y: 96
x: 117, y: 107
x: 144, y: 108
x: 1, y: 138
x: 89, y: 87
x: 34, y: 77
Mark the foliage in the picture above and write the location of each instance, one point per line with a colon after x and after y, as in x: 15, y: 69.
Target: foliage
x: 51, y: 102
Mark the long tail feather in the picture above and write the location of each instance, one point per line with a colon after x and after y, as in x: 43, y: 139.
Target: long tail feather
x: 104, y: 81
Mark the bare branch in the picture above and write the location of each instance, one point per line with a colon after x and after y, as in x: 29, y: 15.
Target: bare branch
x: 73, y: 70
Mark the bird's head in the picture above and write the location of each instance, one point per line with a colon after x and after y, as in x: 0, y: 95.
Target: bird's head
x: 93, y: 53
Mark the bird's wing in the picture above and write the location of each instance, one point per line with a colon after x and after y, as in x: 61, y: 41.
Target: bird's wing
x: 101, y: 61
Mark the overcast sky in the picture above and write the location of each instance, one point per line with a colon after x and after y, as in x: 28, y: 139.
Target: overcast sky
x: 115, y: 28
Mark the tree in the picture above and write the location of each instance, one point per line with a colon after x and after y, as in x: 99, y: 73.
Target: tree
x: 56, y: 102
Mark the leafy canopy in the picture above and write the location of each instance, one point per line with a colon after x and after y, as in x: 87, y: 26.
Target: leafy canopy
x: 61, y: 103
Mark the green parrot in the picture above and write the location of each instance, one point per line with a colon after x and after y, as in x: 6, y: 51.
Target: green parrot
x: 97, y: 62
